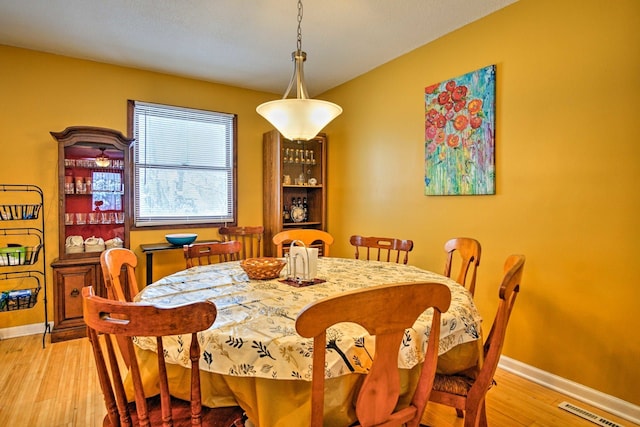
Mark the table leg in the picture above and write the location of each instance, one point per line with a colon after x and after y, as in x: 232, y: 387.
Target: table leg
x: 149, y: 268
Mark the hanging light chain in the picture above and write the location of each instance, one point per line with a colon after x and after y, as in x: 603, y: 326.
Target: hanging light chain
x: 302, y: 118
x: 299, y: 25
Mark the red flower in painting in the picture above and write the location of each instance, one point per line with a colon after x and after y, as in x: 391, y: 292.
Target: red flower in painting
x: 430, y: 132
x: 448, y: 105
x: 450, y: 85
x: 458, y: 106
x: 441, y: 121
x: 475, y: 122
x: 449, y: 115
x: 431, y: 89
x: 443, y: 98
x: 453, y: 141
x: 460, y: 122
x: 440, y: 136
x: 475, y: 105
x: 432, y: 115
x: 459, y: 93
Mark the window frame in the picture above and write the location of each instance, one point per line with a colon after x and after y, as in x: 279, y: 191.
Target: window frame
x: 131, y: 104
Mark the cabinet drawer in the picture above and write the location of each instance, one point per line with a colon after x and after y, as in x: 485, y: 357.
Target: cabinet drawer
x: 68, y: 284
x: 72, y: 289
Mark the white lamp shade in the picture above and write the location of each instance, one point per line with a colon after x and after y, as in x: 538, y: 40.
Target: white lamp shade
x: 299, y: 119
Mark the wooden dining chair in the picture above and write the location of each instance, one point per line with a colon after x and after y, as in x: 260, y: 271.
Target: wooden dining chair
x: 211, y: 252
x: 469, y: 251
x: 382, y: 248
x: 126, y: 320
x: 464, y: 392
x: 250, y: 237
x: 114, y: 262
x: 385, y: 311
x: 306, y: 235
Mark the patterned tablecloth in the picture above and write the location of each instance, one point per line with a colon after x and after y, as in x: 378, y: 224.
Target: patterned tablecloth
x: 254, y: 333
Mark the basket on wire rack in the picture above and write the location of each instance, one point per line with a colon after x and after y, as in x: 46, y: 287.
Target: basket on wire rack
x: 20, y: 295
x: 19, y: 212
x: 19, y: 255
x: 262, y: 268
x: 18, y: 299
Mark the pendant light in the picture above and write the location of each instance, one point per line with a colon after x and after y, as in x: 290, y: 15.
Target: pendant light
x: 299, y: 118
x: 102, y: 160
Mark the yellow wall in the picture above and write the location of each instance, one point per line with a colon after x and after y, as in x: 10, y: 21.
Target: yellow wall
x: 566, y: 162
x: 40, y: 93
x: 568, y: 81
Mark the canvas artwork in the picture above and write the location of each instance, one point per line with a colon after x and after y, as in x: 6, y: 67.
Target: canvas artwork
x: 460, y: 135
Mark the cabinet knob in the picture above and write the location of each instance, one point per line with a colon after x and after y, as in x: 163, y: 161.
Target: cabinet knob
x: 75, y: 292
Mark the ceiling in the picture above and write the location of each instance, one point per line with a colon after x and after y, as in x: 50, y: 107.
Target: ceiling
x: 244, y: 43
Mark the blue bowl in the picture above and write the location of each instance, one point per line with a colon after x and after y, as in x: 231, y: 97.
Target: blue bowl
x: 181, y: 239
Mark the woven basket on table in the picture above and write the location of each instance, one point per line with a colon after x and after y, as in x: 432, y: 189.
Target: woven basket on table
x: 262, y: 268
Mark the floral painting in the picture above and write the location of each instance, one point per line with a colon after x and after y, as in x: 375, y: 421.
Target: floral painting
x: 459, y: 133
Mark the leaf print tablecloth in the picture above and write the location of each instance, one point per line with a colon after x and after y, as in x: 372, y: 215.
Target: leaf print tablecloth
x: 254, y: 333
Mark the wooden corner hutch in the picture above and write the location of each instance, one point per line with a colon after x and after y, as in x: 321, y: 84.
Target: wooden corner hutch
x: 94, y: 204
x: 293, y: 172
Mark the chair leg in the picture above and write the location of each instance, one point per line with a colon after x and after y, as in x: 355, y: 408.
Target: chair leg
x: 475, y: 416
x: 482, y: 415
x: 471, y: 416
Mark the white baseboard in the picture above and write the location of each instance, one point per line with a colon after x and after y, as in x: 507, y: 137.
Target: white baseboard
x: 610, y: 404
x: 21, y: 331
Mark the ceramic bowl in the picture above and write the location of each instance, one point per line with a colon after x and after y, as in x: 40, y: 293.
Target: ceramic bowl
x: 181, y: 238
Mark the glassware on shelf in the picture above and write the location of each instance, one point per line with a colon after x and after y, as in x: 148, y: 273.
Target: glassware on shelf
x: 81, y: 218
x: 80, y: 188
x: 69, y: 187
x: 107, y: 217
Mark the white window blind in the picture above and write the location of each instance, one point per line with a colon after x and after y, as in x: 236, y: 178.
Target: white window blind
x: 184, y: 166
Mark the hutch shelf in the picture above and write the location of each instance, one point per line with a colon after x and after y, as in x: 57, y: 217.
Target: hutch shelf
x: 294, y: 185
x: 93, y: 206
x: 22, y: 256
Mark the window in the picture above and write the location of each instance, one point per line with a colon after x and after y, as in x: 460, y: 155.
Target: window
x: 184, y: 165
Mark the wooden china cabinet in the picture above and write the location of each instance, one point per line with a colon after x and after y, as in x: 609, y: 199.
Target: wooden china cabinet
x: 93, y: 206
x: 294, y: 185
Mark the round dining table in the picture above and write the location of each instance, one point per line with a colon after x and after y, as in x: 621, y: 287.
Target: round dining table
x: 252, y: 355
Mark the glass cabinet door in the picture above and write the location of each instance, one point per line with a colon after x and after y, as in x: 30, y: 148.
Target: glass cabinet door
x: 94, y: 198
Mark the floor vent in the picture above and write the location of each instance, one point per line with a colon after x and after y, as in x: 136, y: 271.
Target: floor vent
x: 587, y: 415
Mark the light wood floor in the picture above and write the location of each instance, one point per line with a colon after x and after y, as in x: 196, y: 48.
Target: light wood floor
x: 57, y: 386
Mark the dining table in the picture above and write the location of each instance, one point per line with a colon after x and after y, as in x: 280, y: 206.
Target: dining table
x: 252, y: 355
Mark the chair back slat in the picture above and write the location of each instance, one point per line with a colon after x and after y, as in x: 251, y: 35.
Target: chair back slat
x: 250, y: 237
x: 469, y: 251
x: 310, y: 237
x: 385, y: 311
x: 211, y: 252
x: 387, y: 249
x: 112, y: 262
